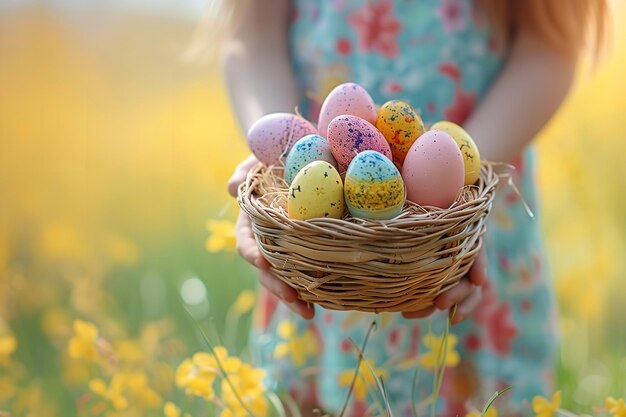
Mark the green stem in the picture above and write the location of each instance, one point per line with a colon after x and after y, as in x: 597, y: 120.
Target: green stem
x: 358, y: 367
x: 492, y: 399
x: 221, y: 367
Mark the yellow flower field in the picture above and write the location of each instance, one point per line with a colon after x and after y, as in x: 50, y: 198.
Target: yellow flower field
x: 116, y: 227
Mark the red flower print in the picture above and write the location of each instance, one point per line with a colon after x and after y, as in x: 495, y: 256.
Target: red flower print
x: 343, y: 46
x: 414, y: 343
x: 346, y: 346
x: 461, y: 108
x: 452, y: 14
x: 472, y: 342
x: 459, y: 385
x: 464, y: 101
x: 451, y: 70
x: 526, y: 305
x: 501, y: 330
x: 376, y: 28
x: 268, y: 302
x: 391, y: 87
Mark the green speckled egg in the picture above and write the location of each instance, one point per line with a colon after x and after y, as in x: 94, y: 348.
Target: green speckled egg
x: 316, y: 191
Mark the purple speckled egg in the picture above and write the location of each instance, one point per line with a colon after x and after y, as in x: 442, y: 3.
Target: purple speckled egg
x: 348, y: 98
x: 272, y: 136
x: 349, y: 135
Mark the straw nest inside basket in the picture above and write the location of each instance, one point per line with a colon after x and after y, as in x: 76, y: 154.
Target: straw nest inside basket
x: 354, y: 264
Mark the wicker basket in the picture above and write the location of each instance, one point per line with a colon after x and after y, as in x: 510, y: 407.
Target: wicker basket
x: 375, y: 266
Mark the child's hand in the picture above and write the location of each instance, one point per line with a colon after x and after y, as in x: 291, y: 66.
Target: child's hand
x: 466, y: 295
x: 248, y: 249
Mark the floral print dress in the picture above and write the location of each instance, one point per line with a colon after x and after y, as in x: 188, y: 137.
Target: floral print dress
x: 441, y: 56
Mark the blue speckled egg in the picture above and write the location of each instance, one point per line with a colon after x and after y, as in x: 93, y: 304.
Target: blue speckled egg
x: 373, y: 187
x: 306, y: 150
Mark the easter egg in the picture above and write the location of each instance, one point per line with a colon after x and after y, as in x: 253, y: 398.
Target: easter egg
x: 273, y: 135
x: 316, y: 191
x: 433, y: 170
x: 348, y: 98
x: 349, y: 135
x: 373, y: 187
x: 401, y: 126
x: 469, y: 150
x: 306, y: 150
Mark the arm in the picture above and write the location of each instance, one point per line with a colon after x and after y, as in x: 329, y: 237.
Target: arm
x: 533, y: 84
x: 259, y: 80
x: 528, y: 92
x: 256, y: 63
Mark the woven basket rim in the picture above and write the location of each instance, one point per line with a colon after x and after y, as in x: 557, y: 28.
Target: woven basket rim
x: 400, y: 264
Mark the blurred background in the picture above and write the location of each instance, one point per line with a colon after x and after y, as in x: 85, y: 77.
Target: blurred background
x: 114, y: 152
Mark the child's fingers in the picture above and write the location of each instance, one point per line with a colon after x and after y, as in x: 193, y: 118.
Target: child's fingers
x: 420, y: 314
x: 277, y: 287
x: 478, y: 271
x: 305, y: 310
x: 454, y: 295
x: 287, y: 294
x: 239, y: 175
x: 246, y: 245
x: 467, y: 306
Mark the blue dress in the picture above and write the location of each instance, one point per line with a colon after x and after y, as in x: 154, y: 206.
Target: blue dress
x: 441, y: 56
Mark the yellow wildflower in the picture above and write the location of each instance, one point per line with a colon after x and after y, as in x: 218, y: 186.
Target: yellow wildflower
x: 616, y: 407
x: 491, y: 412
x: 7, y: 389
x: 113, y: 392
x: 244, y: 302
x: 248, y: 385
x: 196, y: 375
x: 435, y: 355
x: 222, y: 236
x: 170, y: 410
x: 121, y: 250
x: 545, y: 408
x: 8, y: 345
x: 364, y: 379
x: 299, y: 347
x: 84, y: 342
x: 125, y: 385
x: 137, y: 383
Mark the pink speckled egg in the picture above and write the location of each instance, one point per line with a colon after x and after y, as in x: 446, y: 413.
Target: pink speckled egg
x: 349, y: 135
x: 348, y: 98
x: 433, y: 170
x: 272, y: 136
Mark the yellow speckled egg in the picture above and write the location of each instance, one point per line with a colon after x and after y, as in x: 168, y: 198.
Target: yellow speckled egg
x: 469, y: 150
x: 316, y: 191
x: 374, y: 188
x: 401, y: 126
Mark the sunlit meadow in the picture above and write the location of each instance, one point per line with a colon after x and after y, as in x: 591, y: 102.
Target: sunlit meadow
x: 116, y: 229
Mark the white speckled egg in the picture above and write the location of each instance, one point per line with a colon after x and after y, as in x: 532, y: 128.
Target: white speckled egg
x: 306, y: 150
x: 373, y: 187
x: 433, y: 170
x: 316, y: 191
x: 272, y: 136
x: 349, y: 135
x: 469, y: 150
x: 348, y: 98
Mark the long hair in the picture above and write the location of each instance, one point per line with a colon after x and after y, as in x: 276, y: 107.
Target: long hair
x: 573, y: 26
